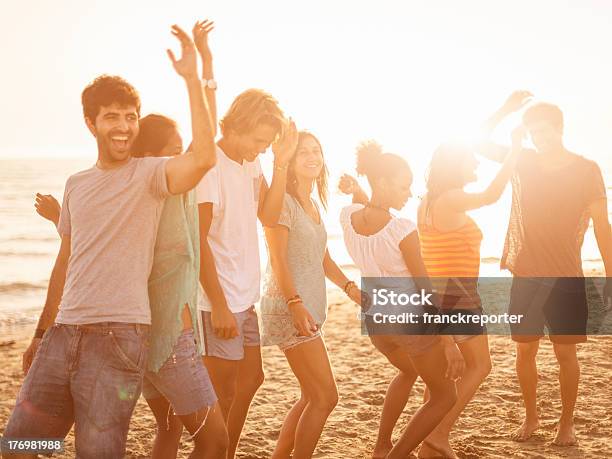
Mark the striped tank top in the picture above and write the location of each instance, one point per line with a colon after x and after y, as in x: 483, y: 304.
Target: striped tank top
x: 452, y: 260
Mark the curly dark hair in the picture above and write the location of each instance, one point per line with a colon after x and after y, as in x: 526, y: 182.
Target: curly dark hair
x: 106, y: 90
x: 374, y: 164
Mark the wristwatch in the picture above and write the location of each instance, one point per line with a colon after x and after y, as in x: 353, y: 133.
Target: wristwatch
x: 210, y: 84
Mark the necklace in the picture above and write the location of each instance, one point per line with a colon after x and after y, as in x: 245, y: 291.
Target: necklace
x: 369, y: 205
x: 373, y: 206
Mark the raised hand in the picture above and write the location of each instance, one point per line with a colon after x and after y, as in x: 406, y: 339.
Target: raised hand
x: 516, y: 101
x: 200, y: 31
x: 284, y: 147
x: 348, y: 184
x: 187, y: 65
x: 48, y: 207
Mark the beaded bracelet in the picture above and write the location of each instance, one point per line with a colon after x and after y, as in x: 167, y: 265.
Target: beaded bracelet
x: 293, y: 300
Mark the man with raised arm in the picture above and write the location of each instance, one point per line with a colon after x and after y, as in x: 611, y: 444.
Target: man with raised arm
x: 555, y: 194
x: 85, y: 364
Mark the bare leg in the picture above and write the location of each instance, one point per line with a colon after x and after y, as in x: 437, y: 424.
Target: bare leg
x: 527, y: 372
x: 478, y: 366
x: 207, y: 428
x: 396, y: 398
x: 286, y: 437
x: 431, y: 367
x: 223, y: 374
x: 169, y: 429
x: 569, y: 376
x: 310, y: 364
x: 250, y: 377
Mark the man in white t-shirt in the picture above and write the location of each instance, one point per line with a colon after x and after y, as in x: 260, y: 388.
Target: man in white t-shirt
x: 231, y: 198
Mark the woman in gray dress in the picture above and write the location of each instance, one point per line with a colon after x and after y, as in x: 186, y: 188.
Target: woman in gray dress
x: 294, y: 303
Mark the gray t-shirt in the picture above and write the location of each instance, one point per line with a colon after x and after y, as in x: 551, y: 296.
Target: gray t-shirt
x: 112, y: 218
x: 549, y: 216
x: 306, y: 246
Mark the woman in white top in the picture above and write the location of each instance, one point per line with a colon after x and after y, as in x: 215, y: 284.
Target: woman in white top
x: 294, y: 303
x: 385, y: 246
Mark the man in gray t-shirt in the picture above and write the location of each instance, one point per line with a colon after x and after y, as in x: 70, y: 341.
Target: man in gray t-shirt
x: 88, y: 368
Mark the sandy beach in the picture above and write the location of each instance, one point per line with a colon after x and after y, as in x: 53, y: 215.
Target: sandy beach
x: 362, y: 375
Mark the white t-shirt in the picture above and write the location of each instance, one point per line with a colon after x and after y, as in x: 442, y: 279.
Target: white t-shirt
x: 233, y: 189
x: 379, y: 257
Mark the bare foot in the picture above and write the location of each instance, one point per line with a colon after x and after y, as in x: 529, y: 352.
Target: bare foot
x: 524, y: 432
x: 566, y: 435
x: 381, y: 451
x: 432, y: 450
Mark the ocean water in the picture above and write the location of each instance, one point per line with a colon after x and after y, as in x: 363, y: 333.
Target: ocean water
x: 29, y: 244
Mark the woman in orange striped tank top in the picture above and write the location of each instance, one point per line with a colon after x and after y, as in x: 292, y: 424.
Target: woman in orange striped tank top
x: 450, y: 245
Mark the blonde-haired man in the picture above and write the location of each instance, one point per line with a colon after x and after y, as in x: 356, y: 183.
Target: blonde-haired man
x: 231, y: 198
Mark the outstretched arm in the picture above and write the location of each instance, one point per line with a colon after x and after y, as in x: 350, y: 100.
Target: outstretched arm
x: 183, y: 172
x: 461, y: 201
x: 490, y: 150
x: 201, y: 29
x: 271, y: 198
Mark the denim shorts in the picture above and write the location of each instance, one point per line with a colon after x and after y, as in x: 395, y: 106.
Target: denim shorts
x: 86, y: 375
x: 183, y: 379
x: 232, y: 349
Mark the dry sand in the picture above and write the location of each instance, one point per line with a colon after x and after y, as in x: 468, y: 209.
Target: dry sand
x: 362, y: 375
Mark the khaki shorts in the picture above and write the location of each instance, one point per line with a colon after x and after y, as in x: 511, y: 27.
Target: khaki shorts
x: 232, y: 349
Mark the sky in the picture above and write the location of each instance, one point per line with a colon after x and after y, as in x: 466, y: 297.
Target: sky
x: 410, y: 74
